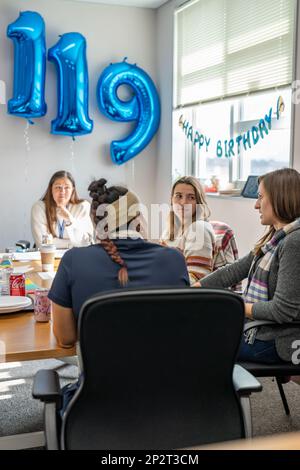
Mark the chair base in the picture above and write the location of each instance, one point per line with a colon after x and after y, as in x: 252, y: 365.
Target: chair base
x: 279, y: 371
x: 282, y: 395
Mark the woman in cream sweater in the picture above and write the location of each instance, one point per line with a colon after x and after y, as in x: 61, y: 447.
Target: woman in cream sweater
x: 62, y: 214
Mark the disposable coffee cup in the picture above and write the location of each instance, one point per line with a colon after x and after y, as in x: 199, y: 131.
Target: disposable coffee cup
x: 47, y: 257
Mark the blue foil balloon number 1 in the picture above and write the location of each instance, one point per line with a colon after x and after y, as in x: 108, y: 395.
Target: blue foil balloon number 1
x: 143, y: 107
x: 69, y: 56
x: 28, y: 35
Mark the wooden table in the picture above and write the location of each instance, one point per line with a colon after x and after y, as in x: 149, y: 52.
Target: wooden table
x: 23, y: 339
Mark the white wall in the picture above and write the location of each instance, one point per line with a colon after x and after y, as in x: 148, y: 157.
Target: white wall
x: 112, y: 33
x: 237, y: 212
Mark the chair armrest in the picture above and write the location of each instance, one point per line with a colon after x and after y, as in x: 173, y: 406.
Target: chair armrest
x: 46, y: 387
x: 256, y: 323
x: 244, y: 382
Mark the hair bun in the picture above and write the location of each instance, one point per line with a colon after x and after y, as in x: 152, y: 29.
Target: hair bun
x: 97, y: 188
x: 93, y: 186
x: 101, y: 182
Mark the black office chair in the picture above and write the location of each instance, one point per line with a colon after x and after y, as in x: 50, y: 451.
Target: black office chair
x: 281, y: 372
x: 158, y: 373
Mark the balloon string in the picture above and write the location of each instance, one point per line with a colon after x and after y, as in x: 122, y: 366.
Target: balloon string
x: 72, y: 156
x: 133, y: 173
x: 130, y: 174
x: 26, y: 173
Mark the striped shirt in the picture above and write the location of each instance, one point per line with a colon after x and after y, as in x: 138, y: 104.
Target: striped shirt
x: 226, y: 251
x: 197, y: 244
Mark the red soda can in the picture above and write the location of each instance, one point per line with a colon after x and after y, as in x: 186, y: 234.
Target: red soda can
x: 17, y: 284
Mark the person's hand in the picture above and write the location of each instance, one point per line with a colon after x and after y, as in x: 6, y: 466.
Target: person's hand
x: 197, y: 284
x: 248, y: 311
x: 63, y: 213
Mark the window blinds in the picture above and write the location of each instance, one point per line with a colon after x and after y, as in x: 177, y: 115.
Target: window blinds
x: 230, y: 47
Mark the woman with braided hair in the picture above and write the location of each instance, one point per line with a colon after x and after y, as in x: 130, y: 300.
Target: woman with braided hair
x: 120, y: 258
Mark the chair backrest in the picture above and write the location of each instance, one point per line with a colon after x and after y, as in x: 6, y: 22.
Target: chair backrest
x: 157, y: 370
x: 226, y: 251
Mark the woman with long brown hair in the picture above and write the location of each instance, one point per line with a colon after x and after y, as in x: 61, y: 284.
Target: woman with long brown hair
x: 61, y: 214
x: 188, y: 227
x: 272, y: 270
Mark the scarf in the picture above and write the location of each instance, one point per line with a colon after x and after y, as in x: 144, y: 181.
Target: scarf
x: 257, y: 286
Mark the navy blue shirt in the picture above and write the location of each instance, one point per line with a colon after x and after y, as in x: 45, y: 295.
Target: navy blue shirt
x: 86, y: 271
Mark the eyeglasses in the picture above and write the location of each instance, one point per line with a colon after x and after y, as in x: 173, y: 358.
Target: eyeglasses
x: 189, y: 197
x: 60, y: 188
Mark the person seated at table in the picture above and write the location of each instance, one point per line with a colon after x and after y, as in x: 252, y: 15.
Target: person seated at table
x: 62, y: 214
x: 272, y: 270
x: 120, y: 258
x: 188, y: 227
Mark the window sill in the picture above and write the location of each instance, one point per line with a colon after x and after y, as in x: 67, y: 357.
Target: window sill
x: 227, y: 196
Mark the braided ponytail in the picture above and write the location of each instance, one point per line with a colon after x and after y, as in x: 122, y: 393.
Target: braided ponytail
x: 100, y: 194
x: 112, y: 251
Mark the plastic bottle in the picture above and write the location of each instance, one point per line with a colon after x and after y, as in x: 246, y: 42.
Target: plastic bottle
x: 6, y: 269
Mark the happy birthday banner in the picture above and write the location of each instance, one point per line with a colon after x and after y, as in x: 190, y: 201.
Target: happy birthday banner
x: 229, y: 148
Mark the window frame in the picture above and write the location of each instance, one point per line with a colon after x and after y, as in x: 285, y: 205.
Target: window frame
x: 191, y: 154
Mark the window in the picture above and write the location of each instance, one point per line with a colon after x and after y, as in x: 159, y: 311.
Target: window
x: 224, y: 120
x: 233, y: 59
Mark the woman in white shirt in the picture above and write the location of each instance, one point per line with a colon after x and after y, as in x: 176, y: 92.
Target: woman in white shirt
x: 62, y: 214
x: 188, y: 228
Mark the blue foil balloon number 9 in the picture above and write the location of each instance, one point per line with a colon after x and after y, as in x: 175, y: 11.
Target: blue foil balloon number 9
x: 28, y: 35
x: 143, y: 107
x: 69, y: 56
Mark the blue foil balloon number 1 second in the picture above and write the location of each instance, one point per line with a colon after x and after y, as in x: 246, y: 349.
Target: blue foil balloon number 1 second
x: 69, y: 56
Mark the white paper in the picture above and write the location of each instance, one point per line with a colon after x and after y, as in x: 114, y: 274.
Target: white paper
x: 47, y: 275
x: 60, y: 253
x: 22, y: 269
x: 28, y: 256
x: 31, y: 255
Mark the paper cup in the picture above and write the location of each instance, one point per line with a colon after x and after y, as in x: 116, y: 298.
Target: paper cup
x: 47, y: 257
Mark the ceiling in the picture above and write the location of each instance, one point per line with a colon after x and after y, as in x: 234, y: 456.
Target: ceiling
x: 129, y: 3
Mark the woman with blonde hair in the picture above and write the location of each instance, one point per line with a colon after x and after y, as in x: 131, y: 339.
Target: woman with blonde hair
x: 188, y: 227
x: 272, y: 270
x: 61, y: 214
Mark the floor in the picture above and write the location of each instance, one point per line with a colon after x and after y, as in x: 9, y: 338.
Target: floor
x: 20, y: 413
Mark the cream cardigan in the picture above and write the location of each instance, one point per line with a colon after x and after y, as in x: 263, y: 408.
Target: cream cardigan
x: 79, y: 233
